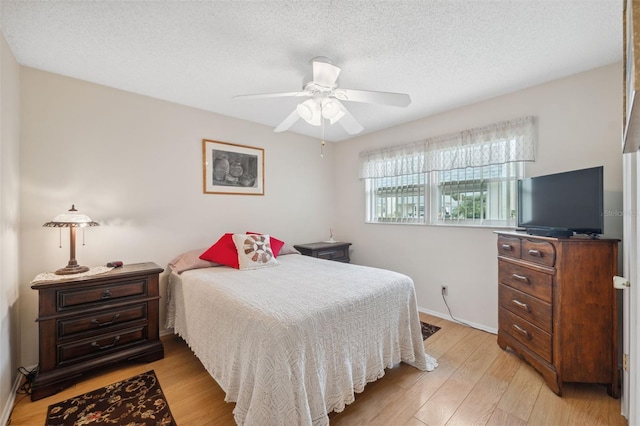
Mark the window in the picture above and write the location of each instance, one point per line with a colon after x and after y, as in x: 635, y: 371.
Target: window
x: 472, y: 196
x: 469, y: 178
x: 477, y: 195
x: 396, y: 199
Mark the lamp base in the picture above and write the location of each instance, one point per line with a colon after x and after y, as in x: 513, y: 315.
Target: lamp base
x: 69, y: 270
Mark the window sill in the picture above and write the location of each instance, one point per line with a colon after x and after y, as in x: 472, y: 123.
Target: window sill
x: 447, y: 225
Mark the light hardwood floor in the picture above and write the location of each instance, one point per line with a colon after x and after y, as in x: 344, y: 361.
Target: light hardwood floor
x: 476, y: 383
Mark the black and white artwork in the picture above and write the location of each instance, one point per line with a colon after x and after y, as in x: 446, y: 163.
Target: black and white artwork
x: 232, y: 169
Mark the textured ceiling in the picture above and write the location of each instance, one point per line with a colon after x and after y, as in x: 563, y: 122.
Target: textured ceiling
x: 444, y: 54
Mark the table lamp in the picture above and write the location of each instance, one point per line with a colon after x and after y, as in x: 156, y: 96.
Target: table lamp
x: 72, y: 220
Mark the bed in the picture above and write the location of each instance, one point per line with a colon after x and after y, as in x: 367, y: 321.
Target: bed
x: 292, y: 343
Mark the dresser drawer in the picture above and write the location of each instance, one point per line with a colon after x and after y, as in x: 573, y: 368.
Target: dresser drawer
x: 529, y: 281
x: 540, y: 252
x: 525, y: 306
x: 509, y: 246
x: 526, y: 333
x: 104, y: 293
x: 99, y: 346
x: 101, y: 320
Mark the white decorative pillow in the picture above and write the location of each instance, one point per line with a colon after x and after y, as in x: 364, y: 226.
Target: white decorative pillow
x: 254, y: 251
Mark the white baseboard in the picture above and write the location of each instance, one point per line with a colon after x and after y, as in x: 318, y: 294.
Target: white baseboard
x: 448, y: 318
x: 166, y: 331
x: 8, y: 407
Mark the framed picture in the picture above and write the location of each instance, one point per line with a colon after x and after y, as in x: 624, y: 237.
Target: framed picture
x: 228, y: 168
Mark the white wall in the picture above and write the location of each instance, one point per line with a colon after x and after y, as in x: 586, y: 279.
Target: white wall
x: 134, y: 164
x: 579, y: 125
x: 9, y: 225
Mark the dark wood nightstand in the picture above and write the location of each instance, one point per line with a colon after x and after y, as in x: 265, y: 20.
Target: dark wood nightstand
x: 92, y: 321
x: 337, y: 251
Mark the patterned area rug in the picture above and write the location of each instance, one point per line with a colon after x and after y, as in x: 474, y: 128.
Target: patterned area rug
x: 428, y: 330
x: 135, y: 401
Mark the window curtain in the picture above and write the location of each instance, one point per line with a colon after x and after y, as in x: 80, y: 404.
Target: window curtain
x: 505, y: 142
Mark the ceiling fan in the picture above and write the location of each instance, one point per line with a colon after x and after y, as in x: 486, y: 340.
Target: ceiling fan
x: 325, y: 96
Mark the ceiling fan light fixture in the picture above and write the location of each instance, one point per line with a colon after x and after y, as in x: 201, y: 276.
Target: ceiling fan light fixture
x: 309, y: 111
x: 324, y: 99
x: 330, y: 108
x: 305, y: 110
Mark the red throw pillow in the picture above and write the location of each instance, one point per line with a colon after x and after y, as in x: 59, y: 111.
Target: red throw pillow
x: 276, y: 244
x: 223, y: 252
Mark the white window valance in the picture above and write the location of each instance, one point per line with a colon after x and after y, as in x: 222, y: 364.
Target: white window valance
x: 506, y: 142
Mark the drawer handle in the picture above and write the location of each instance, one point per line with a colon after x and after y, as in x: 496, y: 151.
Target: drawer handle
x: 521, y: 305
x: 97, y: 345
x: 102, y: 324
x: 536, y: 253
x: 521, y: 278
x: 507, y: 247
x: 106, y: 294
x: 522, y: 331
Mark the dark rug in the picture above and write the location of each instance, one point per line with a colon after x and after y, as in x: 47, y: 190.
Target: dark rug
x: 428, y: 330
x: 135, y: 401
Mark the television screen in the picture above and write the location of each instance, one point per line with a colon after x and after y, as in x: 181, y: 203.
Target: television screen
x: 571, y: 201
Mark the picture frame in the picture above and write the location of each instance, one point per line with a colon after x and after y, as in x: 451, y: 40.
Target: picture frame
x: 229, y: 168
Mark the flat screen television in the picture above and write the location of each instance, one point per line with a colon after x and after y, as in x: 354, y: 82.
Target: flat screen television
x: 561, y: 204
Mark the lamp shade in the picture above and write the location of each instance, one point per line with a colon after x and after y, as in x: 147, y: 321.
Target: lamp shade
x: 71, y: 219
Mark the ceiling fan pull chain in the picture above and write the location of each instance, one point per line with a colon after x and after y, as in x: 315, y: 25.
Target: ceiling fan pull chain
x: 321, y: 133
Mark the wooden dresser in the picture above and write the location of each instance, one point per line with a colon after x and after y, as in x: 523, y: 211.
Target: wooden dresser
x: 338, y: 251
x: 558, y: 308
x: 93, y: 321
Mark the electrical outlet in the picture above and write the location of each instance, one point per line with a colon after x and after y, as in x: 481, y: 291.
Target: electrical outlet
x: 444, y: 290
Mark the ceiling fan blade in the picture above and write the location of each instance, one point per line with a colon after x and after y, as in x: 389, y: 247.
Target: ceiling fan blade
x: 349, y: 123
x: 368, y: 96
x: 324, y: 73
x: 271, y: 95
x: 287, y: 122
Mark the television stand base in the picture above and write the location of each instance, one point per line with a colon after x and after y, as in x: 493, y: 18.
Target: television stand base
x: 550, y: 232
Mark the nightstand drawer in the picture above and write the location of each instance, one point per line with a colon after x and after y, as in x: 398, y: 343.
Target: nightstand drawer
x: 529, y: 281
x: 101, y: 320
x: 526, y: 333
x: 337, y: 251
x: 337, y: 254
x: 105, y: 293
x: 98, y: 346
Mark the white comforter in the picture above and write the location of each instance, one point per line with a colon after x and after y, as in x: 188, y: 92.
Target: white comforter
x: 291, y: 343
